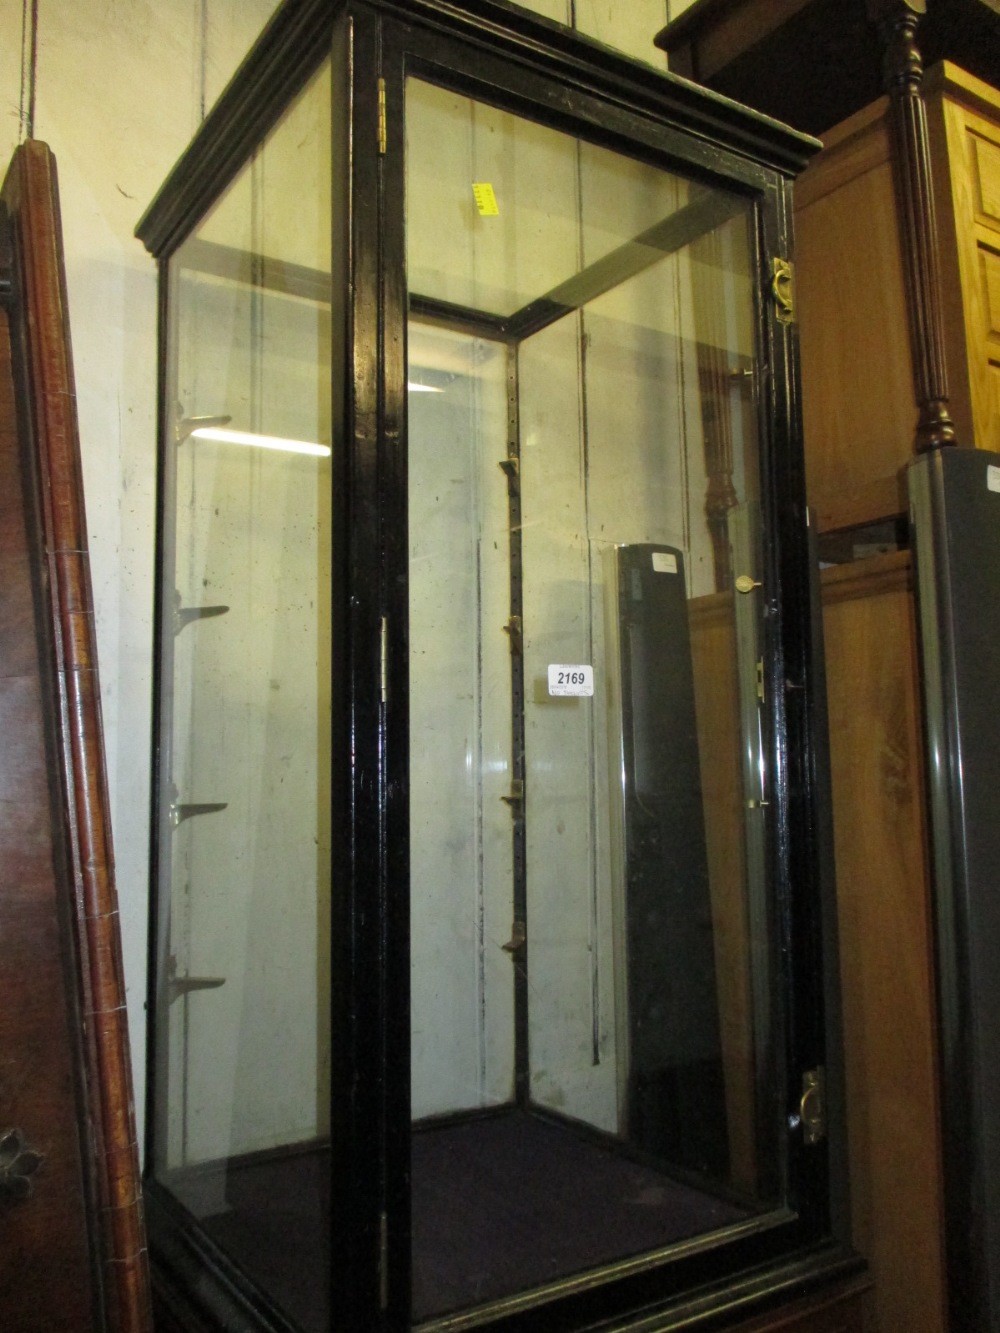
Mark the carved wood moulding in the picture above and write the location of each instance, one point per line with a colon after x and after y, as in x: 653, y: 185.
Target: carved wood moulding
x: 897, y: 21
x: 33, y: 295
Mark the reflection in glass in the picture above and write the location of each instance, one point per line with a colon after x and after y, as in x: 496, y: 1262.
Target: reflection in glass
x: 590, y: 937
x: 243, y: 1036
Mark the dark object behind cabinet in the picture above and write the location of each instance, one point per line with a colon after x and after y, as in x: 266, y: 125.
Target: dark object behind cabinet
x: 955, y: 512
x: 828, y: 52
x: 676, y: 1088
x: 73, y: 1254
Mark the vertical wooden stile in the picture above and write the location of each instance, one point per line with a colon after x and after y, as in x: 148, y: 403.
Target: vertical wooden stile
x: 49, y: 443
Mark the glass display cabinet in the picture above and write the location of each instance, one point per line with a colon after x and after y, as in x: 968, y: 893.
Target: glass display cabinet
x: 493, y: 981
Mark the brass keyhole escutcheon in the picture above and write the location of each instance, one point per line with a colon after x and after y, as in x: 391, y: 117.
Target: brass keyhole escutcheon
x: 745, y: 584
x: 18, y: 1163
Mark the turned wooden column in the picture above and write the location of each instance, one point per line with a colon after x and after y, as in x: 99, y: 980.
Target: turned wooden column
x: 897, y: 21
x: 73, y: 1254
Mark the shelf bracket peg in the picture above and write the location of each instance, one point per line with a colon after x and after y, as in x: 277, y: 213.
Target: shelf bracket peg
x: 184, y: 615
x: 513, y: 630
x: 178, y: 813
x: 515, y: 797
x: 518, y: 938
x: 186, y: 426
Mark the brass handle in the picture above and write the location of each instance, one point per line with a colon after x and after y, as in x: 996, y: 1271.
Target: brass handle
x: 812, y: 1107
x: 18, y: 1163
x: 745, y: 583
x: 783, y: 290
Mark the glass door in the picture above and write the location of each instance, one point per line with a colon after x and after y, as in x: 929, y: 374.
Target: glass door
x: 592, y: 944
x: 242, y: 1025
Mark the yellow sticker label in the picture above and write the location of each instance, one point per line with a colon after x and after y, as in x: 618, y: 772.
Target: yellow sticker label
x: 486, y: 200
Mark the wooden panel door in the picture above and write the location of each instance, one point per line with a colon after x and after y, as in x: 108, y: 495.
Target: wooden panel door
x: 883, y: 901
x: 964, y: 127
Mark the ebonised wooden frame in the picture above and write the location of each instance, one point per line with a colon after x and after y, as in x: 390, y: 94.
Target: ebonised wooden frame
x: 33, y: 296
x: 497, y: 52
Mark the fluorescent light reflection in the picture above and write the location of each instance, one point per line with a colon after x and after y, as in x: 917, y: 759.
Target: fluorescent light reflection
x: 422, y: 388
x: 222, y: 435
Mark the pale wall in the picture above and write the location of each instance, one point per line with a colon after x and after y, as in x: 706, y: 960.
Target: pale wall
x: 120, y: 86
x: 119, y: 90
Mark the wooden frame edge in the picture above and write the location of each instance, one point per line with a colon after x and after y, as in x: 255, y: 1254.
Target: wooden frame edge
x: 37, y: 302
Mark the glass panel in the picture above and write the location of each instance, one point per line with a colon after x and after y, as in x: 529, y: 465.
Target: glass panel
x: 461, y: 850
x: 590, y: 925
x: 243, y: 1046
x: 521, y: 236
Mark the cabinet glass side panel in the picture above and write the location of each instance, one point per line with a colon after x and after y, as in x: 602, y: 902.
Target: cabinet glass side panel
x: 592, y: 986
x: 242, y: 984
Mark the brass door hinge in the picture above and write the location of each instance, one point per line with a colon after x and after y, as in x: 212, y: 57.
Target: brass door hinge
x: 383, y: 659
x: 783, y: 289
x: 6, y: 262
x: 383, y: 1261
x: 382, y: 133
x: 812, y: 1107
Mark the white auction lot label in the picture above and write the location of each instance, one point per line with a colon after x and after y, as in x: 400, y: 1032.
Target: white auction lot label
x: 565, y: 679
